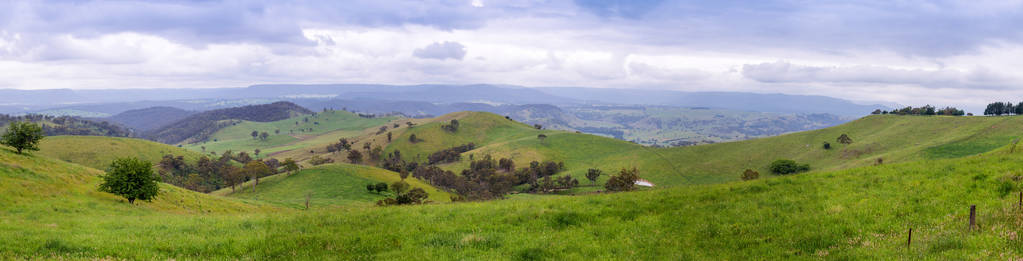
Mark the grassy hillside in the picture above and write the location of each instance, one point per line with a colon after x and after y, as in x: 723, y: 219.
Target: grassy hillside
x: 286, y: 134
x: 99, y: 152
x: 860, y: 213
x: 893, y: 138
x: 333, y: 184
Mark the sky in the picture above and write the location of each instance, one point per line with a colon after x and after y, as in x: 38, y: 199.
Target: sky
x: 958, y: 53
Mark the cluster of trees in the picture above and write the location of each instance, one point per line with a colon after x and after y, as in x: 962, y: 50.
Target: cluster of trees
x: 925, y: 110
x: 22, y: 135
x: 1004, y: 108
x: 624, y: 181
x: 212, y: 174
x: 449, y: 155
x: 200, y: 126
x: 342, y: 145
x: 785, y: 167
x: 487, y: 178
x: 451, y: 127
x: 67, y: 125
x: 260, y: 135
x: 403, y: 195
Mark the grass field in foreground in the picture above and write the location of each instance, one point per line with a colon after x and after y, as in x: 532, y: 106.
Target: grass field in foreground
x: 328, y: 185
x: 860, y: 213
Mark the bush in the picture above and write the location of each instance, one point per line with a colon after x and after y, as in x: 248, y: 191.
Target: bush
x: 624, y: 181
x: 316, y: 160
x: 784, y: 167
x: 750, y: 175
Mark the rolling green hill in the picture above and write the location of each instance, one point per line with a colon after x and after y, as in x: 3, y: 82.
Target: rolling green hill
x: 98, y: 152
x: 288, y: 134
x: 889, y: 137
x: 332, y: 184
x: 859, y: 213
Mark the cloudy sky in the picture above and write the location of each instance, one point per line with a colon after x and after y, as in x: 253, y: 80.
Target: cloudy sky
x: 963, y: 53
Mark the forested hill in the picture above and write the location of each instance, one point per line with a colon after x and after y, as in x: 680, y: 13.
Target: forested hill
x: 66, y: 125
x: 150, y: 118
x: 198, y: 127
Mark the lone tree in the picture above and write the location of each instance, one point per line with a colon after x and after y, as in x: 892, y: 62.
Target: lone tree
x: 388, y: 137
x: 413, y: 139
x: 542, y: 137
x: 827, y: 146
x: 256, y: 152
x: 256, y: 169
x: 254, y: 134
x: 132, y: 179
x: 750, y: 174
x: 784, y: 167
x: 22, y: 136
x: 380, y: 187
x: 844, y: 139
x: 400, y: 187
x: 354, y: 156
x: 264, y: 135
x: 624, y: 181
x: 593, y: 174
x: 290, y: 165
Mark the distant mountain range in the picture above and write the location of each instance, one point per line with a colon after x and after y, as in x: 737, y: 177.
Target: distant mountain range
x: 113, y: 101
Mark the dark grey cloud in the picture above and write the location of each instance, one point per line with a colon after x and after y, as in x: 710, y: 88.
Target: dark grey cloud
x: 441, y: 51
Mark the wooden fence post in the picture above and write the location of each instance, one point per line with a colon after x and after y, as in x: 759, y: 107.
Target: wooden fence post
x: 909, y: 240
x: 973, y: 216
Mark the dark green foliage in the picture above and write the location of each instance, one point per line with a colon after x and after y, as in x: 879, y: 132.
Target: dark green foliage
x: 413, y: 139
x: 132, y: 179
x: 449, y: 155
x: 827, y: 146
x: 380, y: 187
x: 399, y: 187
x: 452, y: 127
x: 624, y: 181
x: 593, y: 174
x: 22, y: 135
x: 927, y: 110
x: 784, y: 167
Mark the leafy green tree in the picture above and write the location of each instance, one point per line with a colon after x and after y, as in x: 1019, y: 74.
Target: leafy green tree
x: 264, y: 135
x: 389, y: 136
x: 22, y: 136
x: 542, y: 137
x: 784, y: 167
x: 624, y: 181
x: 254, y: 134
x: 593, y: 174
x: 399, y: 187
x: 256, y: 169
x: 371, y: 187
x: 380, y: 187
x: 414, y: 196
x: 132, y: 179
x: 290, y: 165
x: 827, y: 146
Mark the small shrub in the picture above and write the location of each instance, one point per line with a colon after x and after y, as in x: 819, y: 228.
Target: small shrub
x: 785, y: 167
x: 750, y: 174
